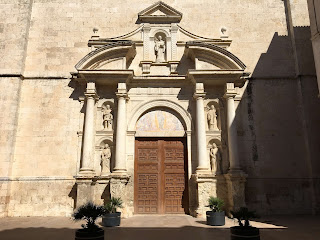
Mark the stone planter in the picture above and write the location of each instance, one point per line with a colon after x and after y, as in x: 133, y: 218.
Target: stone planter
x: 82, y: 234
x: 111, y: 219
x: 215, y: 218
x: 244, y: 233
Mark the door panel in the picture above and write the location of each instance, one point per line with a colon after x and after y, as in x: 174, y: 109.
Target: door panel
x: 147, y: 177
x: 160, y: 176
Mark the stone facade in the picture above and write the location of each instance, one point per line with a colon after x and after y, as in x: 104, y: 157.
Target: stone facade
x: 245, y: 83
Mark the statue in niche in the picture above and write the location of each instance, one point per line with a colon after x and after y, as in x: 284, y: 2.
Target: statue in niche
x: 105, y: 159
x: 107, y: 118
x: 159, y: 48
x: 212, y: 118
x: 215, y: 159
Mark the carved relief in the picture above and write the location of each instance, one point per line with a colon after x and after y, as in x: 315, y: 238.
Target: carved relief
x: 105, y: 159
x: 107, y: 117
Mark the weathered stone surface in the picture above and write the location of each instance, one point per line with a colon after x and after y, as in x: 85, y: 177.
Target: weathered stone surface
x: 43, y: 110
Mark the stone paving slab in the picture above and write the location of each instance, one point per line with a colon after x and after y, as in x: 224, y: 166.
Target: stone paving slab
x: 144, y: 227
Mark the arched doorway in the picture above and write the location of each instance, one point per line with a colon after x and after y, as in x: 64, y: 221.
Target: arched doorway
x: 161, y: 165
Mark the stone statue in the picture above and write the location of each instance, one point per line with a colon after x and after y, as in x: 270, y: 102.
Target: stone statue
x: 212, y: 118
x: 105, y: 159
x: 215, y: 159
x: 159, y: 48
x: 107, y: 118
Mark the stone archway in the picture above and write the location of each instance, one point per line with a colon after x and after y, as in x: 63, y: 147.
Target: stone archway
x: 161, y: 167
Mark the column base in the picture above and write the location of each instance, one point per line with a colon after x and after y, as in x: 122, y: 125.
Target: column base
x: 117, y: 172
x: 105, y: 174
x: 203, y: 170
x: 236, y: 171
x: 86, y: 172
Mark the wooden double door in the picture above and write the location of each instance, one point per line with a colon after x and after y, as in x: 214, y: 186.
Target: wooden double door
x: 160, y: 176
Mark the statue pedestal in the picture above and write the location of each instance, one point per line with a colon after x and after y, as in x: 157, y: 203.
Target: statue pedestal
x: 236, y: 186
x: 121, y: 186
x: 84, y: 190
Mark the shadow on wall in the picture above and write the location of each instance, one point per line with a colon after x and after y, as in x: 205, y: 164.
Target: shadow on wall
x: 278, y: 181
x: 279, y: 61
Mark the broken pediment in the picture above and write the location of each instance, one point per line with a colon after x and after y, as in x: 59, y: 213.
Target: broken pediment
x: 160, y: 13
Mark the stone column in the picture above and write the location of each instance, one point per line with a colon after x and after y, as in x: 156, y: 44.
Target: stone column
x: 201, y: 129
x: 229, y: 95
x: 120, y: 160
x: 88, y: 134
x: 235, y: 178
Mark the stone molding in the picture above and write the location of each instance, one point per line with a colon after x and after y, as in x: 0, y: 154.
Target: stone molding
x: 145, y: 106
x: 169, y: 14
x: 93, y: 59
x: 227, y: 59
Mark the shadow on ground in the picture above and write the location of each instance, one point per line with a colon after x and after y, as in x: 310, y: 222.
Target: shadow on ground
x: 185, y: 233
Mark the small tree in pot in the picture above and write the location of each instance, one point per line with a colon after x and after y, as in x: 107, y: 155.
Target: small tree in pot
x: 244, y: 230
x: 215, y: 217
x: 89, y: 212
x: 111, y: 217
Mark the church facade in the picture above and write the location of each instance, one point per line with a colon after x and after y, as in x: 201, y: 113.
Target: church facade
x: 167, y: 104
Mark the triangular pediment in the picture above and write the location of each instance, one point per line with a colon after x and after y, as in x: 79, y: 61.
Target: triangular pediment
x: 160, y: 13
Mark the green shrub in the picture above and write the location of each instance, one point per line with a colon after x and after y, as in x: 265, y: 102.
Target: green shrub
x: 215, y: 204
x: 89, y: 212
x: 243, y: 214
x: 112, y: 205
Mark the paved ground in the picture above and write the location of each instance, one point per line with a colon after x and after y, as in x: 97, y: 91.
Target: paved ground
x: 160, y: 227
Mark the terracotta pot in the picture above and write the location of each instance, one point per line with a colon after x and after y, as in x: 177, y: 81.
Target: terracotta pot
x: 111, y: 219
x: 244, y: 233
x: 215, y: 218
x: 82, y: 234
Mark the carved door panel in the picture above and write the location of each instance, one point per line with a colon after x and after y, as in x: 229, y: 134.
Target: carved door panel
x: 174, y: 176
x: 147, y: 166
x: 160, y: 176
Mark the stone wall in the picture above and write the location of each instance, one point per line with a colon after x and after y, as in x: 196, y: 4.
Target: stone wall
x: 59, y: 30
x: 9, y: 104
x: 277, y: 148
x: 47, y: 141
x: 14, y: 30
x: 46, y: 145
x: 42, y: 197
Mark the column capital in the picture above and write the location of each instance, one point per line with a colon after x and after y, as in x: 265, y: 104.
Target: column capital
x: 229, y: 95
x: 122, y: 95
x: 199, y: 95
x: 229, y: 90
x: 91, y: 94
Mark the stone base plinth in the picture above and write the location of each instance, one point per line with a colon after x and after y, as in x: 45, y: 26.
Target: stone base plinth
x: 208, y: 185
x: 236, y: 187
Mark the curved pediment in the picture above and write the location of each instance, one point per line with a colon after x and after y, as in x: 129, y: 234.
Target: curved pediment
x: 116, y: 56
x: 209, y: 56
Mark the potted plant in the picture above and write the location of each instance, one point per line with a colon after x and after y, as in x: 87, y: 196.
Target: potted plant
x: 89, y: 212
x: 244, y: 230
x: 215, y: 217
x: 111, y: 217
